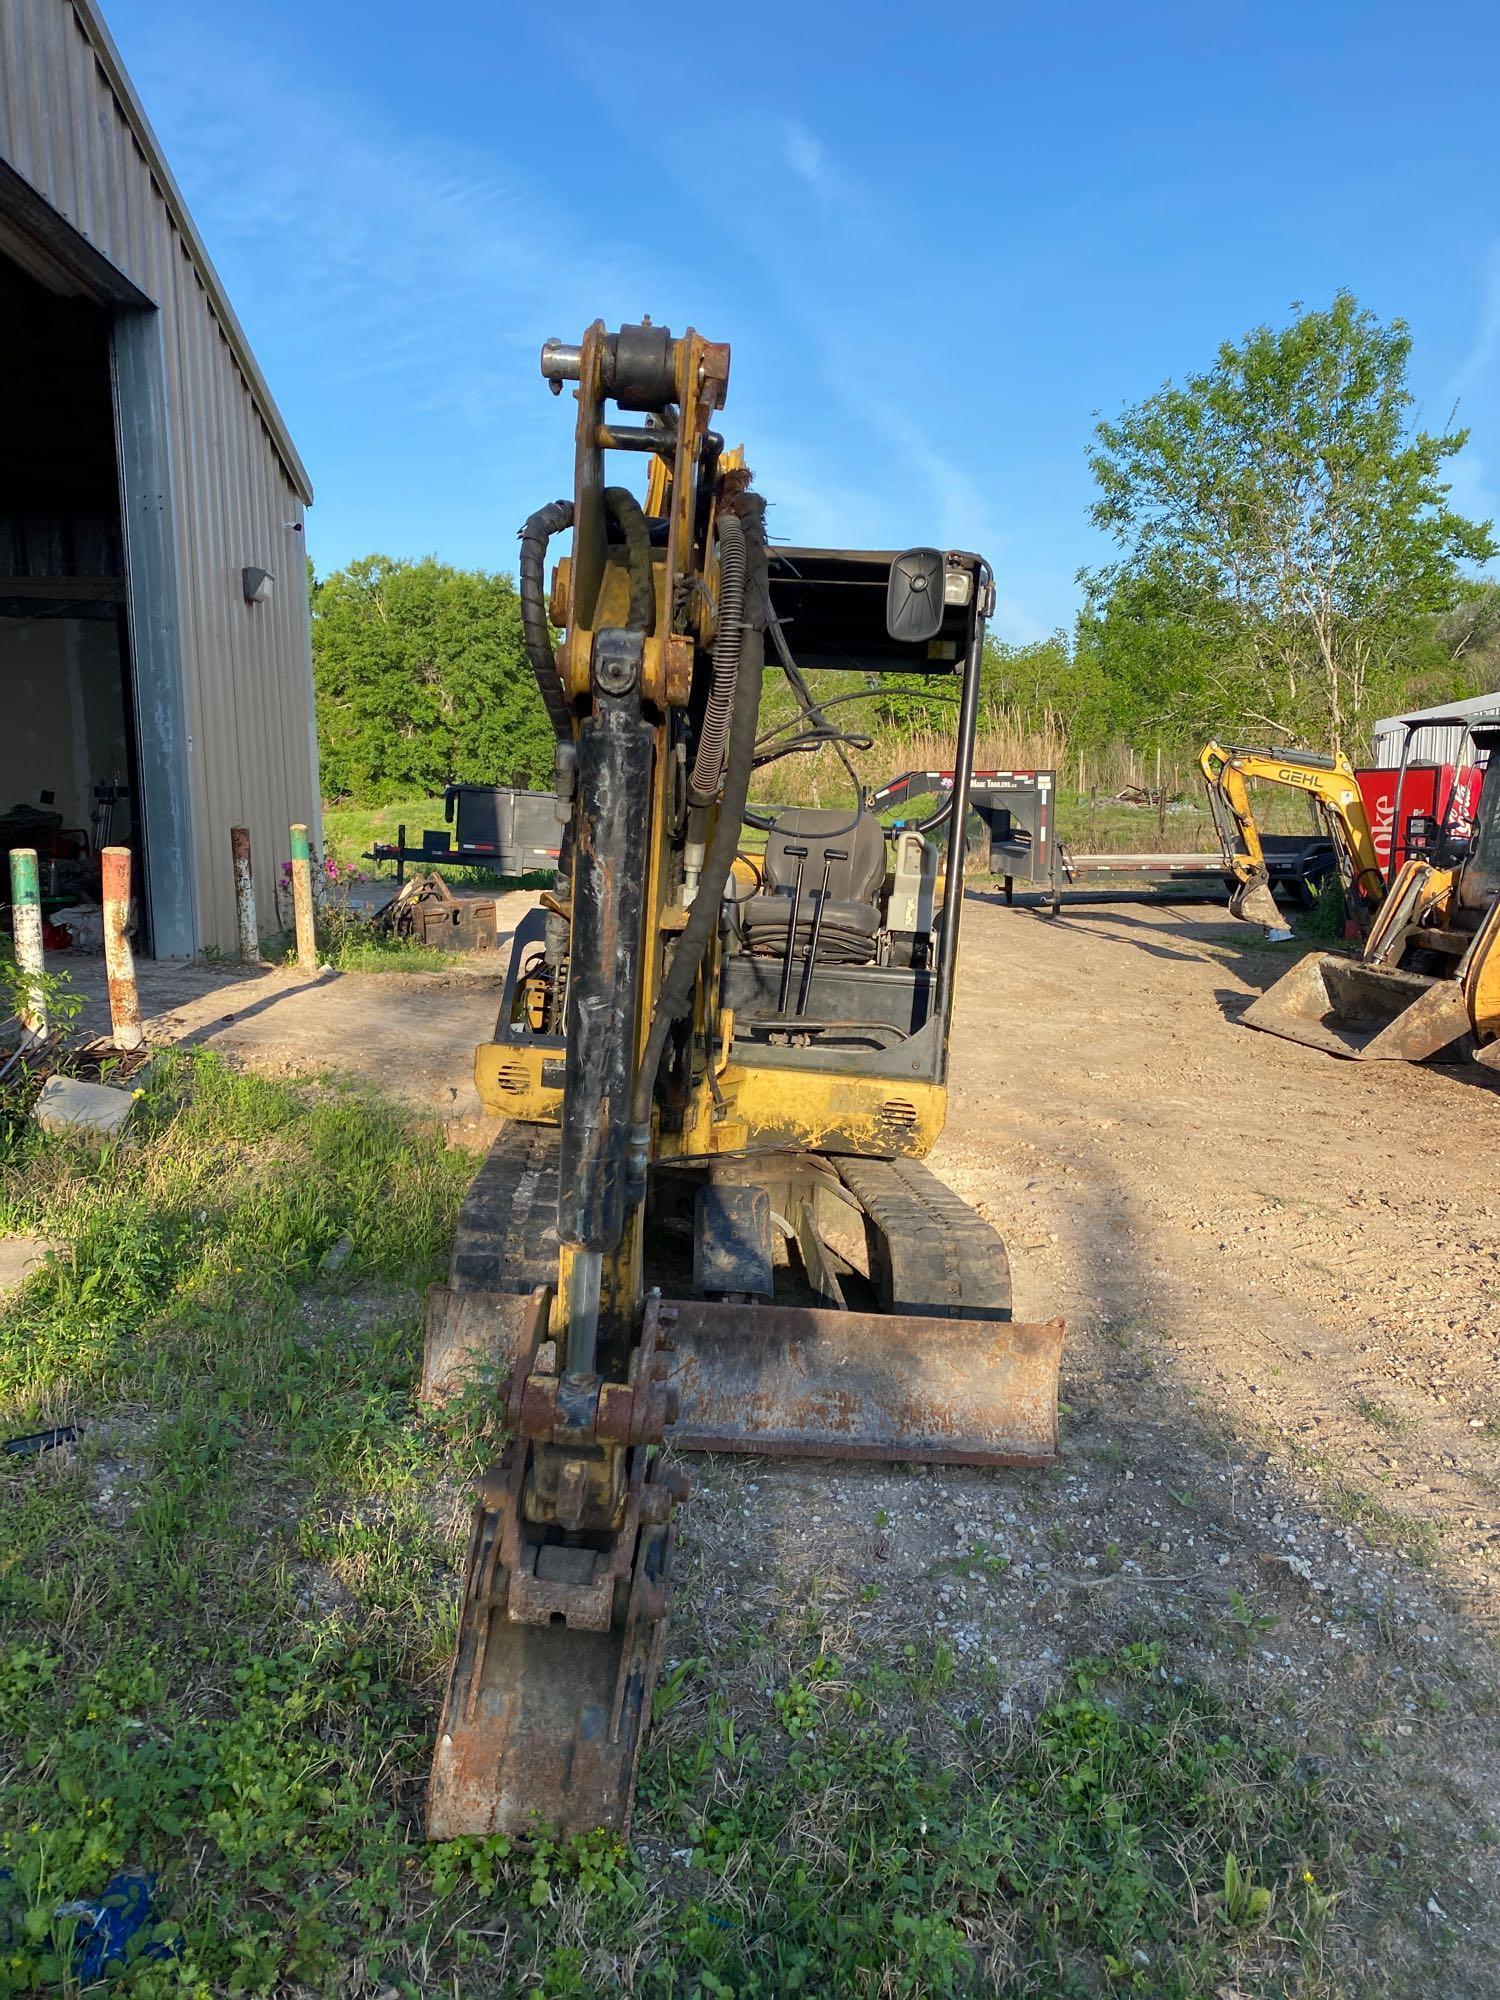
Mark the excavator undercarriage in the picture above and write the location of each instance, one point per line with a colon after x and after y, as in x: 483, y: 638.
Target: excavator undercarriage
x: 722, y: 1052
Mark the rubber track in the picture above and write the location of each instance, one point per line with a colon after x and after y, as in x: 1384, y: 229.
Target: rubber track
x: 945, y: 1262
x: 507, y: 1225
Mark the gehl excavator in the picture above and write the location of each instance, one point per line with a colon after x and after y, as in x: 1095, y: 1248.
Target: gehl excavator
x: 722, y: 1052
x: 1330, y: 784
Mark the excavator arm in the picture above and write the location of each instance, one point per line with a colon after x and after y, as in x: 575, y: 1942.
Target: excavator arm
x: 667, y: 1060
x: 1330, y: 783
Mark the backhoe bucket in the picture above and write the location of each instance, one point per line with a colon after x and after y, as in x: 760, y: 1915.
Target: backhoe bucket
x: 1255, y: 902
x: 1367, y: 1012
x: 559, y: 1639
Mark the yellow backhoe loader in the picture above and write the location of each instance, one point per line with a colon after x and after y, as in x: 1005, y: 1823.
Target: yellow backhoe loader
x: 721, y: 1054
x: 1329, y: 782
x: 1428, y: 980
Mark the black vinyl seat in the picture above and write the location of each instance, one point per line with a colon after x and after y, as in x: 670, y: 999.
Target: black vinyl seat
x: 853, y: 849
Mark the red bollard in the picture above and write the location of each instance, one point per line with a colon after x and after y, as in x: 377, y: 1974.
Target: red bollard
x: 119, y: 963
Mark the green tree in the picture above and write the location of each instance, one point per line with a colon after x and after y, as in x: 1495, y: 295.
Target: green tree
x: 1049, y: 686
x: 1285, y: 533
x: 421, y: 677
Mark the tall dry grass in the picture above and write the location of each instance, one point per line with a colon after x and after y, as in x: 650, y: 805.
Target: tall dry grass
x: 1004, y: 742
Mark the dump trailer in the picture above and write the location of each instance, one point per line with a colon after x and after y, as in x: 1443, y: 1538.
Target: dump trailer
x: 721, y: 1056
x: 1330, y: 783
x: 1427, y: 983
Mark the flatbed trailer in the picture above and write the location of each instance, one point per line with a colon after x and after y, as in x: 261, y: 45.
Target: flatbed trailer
x: 1296, y: 863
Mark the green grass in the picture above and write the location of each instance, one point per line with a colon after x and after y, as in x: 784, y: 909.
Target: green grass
x: 225, y: 1617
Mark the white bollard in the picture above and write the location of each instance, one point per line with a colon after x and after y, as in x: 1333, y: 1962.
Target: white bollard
x: 244, y: 895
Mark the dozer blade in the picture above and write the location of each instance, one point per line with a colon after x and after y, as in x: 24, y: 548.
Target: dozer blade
x: 1367, y: 1012
x: 810, y: 1382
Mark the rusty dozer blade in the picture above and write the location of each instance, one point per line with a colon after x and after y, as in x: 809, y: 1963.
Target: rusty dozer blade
x: 1367, y: 1012
x: 810, y: 1382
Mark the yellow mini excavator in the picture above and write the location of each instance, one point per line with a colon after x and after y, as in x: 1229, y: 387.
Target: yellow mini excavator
x: 1330, y: 783
x: 721, y: 1054
x: 1428, y: 980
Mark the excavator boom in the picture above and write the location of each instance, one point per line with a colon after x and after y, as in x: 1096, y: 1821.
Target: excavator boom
x: 722, y: 1051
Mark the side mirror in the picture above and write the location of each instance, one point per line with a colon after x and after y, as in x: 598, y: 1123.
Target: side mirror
x: 914, y: 596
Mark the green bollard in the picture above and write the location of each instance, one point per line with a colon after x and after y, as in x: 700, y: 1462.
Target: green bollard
x: 26, y: 923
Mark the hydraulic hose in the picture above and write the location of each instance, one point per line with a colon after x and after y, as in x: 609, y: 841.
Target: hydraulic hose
x: 708, y: 761
x: 552, y: 520
x: 676, y: 994
x: 535, y: 535
x: 631, y: 521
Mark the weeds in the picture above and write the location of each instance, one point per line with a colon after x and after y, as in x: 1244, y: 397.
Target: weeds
x: 224, y: 1618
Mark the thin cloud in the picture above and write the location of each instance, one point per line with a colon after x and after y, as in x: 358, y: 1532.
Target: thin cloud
x: 805, y: 155
x: 1484, y: 355
x: 411, y: 265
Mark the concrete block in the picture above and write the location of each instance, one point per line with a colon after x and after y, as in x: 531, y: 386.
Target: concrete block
x: 93, y: 1110
x: 19, y: 1257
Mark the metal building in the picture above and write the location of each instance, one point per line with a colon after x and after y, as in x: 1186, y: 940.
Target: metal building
x: 155, y: 666
x: 1432, y: 746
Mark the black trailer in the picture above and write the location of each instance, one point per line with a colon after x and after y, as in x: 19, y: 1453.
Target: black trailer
x: 499, y: 828
x: 1296, y: 866
x: 1017, y: 810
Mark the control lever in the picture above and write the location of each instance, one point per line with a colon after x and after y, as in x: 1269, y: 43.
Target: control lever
x: 799, y: 855
x: 830, y: 855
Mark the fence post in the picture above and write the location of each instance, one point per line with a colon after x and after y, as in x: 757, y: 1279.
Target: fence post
x: 244, y: 894
x: 119, y: 961
x: 26, y: 924
x: 302, y: 903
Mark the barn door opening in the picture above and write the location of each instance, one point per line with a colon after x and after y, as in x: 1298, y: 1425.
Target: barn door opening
x: 69, y: 767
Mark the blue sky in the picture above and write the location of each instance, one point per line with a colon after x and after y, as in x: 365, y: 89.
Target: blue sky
x: 939, y: 240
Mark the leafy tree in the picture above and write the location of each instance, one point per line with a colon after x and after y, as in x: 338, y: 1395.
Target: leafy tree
x: 421, y: 677
x: 1049, y: 685
x: 1284, y: 532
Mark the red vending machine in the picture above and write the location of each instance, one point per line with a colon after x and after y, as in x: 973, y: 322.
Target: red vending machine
x: 1427, y: 790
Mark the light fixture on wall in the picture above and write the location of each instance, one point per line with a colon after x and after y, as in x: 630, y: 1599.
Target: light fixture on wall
x: 257, y: 584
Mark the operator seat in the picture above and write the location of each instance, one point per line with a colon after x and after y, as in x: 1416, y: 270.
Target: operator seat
x: 851, y: 917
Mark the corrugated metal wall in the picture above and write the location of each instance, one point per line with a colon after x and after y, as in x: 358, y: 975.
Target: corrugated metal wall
x: 1431, y: 746
x: 237, y: 493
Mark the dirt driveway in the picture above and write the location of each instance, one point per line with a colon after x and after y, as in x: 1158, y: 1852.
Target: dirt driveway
x: 1282, y: 1424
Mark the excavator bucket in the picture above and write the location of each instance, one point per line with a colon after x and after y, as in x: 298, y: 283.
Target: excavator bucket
x: 810, y: 1382
x: 1255, y: 902
x: 1368, y: 1012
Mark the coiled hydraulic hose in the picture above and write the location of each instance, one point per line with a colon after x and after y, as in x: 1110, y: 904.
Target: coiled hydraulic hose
x: 676, y: 993
x: 640, y: 617
x: 535, y: 535
x: 708, y: 762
